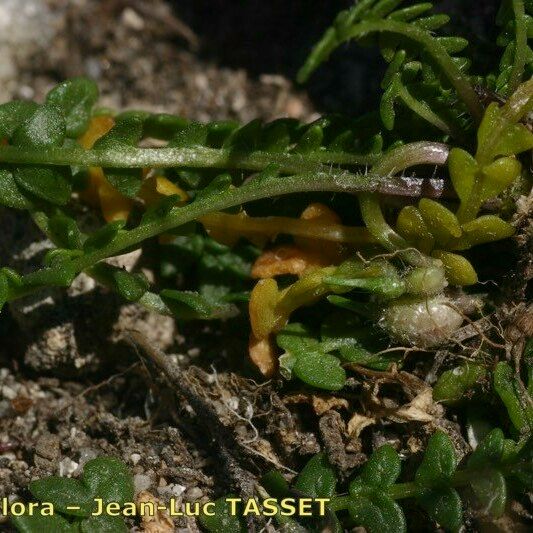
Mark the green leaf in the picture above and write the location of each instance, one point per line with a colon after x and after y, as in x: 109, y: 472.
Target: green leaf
x: 310, y: 141
x: 275, y: 484
x: 124, y: 180
x: 160, y: 211
x: 126, y: 133
x: 412, y: 227
x: 102, y: 237
x: 44, y: 128
x: 320, y: 370
x: 382, y: 469
x: 441, y: 222
x: 489, y: 451
x: 69, y: 496
x: 110, y: 479
x: 386, y: 107
x: 193, y: 134
x: 444, y: 506
x: 75, y: 98
x: 487, y: 228
x: 459, y: 271
x: 490, y: 489
x: 218, y: 185
x: 276, y: 135
x: 222, y: 521
x: 124, y: 136
x: 297, y: 339
x: 189, y: 305
x: 452, y: 384
x: 356, y: 343
x: 520, y: 413
x: 36, y: 523
x: 65, y: 232
x: 49, y: 183
x: 515, y: 139
x: 317, y: 479
x: 103, y: 524
x: 60, y: 275
x: 439, y: 462
x: 4, y: 290
x: 463, y: 170
x: 130, y: 286
x: 244, y: 139
x: 10, y: 194
x: 377, y: 513
x: 498, y: 176
x: 13, y: 114
x: 489, y: 485
x: 163, y: 126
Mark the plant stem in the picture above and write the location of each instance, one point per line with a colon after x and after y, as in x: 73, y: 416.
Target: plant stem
x: 197, y: 157
x: 410, y: 489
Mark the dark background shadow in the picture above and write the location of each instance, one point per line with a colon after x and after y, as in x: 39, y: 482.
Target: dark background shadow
x: 275, y: 36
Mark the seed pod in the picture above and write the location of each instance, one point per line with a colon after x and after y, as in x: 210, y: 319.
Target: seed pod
x: 421, y: 322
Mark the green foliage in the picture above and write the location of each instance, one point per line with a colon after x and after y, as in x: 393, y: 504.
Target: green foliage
x: 515, y: 19
x: 74, y: 502
x: 306, y: 359
x: 373, y: 495
x: 452, y: 384
x: 515, y: 397
x: 221, y: 520
x: 75, y: 98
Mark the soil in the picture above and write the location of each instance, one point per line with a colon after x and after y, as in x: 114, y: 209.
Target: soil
x: 73, y: 383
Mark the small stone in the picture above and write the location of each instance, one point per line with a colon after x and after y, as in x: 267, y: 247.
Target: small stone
x: 67, y: 467
x: 9, y: 393
x: 193, y: 494
x: 141, y: 482
x: 47, y: 447
x: 132, y: 19
x: 135, y: 458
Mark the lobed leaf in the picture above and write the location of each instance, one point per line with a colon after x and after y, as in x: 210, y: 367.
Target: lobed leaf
x: 317, y: 479
x: 221, y: 520
x: 377, y: 513
x: 444, y: 506
x: 110, y: 479
x: 75, y: 98
x: 439, y: 462
x: 68, y: 496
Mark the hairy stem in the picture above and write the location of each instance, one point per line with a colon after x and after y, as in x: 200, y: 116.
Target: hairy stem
x: 198, y: 157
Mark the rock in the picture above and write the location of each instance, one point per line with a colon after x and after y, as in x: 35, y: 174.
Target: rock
x: 47, y: 452
x: 26, y: 26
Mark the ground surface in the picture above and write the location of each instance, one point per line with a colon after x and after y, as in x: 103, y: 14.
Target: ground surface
x: 71, y: 387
